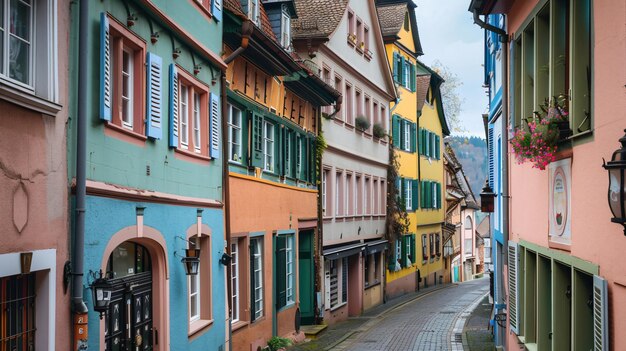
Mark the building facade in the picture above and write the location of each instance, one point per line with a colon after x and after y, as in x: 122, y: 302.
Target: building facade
x: 402, y: 44
x: 274, y: 105
x: 563, y: 288
x: 154, y: 173
x: 344, y: 39
x: 34, y: 100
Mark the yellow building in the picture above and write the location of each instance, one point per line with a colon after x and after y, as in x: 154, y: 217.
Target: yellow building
x: 417, y: 142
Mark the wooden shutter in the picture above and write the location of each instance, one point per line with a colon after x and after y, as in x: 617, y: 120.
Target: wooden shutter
x: 281, y: 271
x: 513, y: 306
x: 413, y: 137
x: 420, y: 142
x: 402, y: 135
x: 413, y: 249
x: 412, y: 80
x: 154, y: 96
x: 214, y: 125
x: 395, y: 68
x: 491, y: 156
x: 439, y: 204
x: 395, y: 131
x: 427, y: 142
x: 600, y: 314
x: 423, y: 194
x: 216, y: 9
x: 106, y: 92
x: 174, y: 96
x: 414, y: 194
x: 402, y: 76
x: 403, y: 251
x: 437, y: 147
x: 257, y: 141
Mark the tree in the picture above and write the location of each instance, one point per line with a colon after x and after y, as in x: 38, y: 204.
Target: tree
x: 452, y: 102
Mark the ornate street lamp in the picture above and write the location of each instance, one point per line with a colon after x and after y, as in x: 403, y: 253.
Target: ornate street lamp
x: 617, y: 196
x: 487, y: 198
x: 101, y: 290
x: 191, y: 261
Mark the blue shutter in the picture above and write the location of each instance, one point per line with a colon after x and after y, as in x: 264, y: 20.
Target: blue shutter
x: 490, y: 155
x: 395, y: 68
x: 214, y: 125
x: 216, y: 9
x: 413, y: 137
x: 174, y: 96
x: 427, y: 143
x: 437, y: 147
x: 439, y: 196
x: 420, y: 142
x: 154, y: 96
x: 106, y: 92
x: 401, y: 72
x: 414, y: 194
x: 395, y: 131
x: 412, y: 80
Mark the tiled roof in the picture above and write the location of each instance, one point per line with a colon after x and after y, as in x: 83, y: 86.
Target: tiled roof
x: 422, y: 84
x: 391, y: 18
x: 317, y: 18
x: 234, y: 6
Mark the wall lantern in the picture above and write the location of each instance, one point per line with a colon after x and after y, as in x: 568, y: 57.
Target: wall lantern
x: 101, y: 290
x: 225, y: 259
x: 487, y: 198
x: 191, y: 261
x: 617, y: 197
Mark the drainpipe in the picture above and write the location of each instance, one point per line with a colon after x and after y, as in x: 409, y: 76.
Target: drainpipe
x: 246, y: 31
x: 79, y: 308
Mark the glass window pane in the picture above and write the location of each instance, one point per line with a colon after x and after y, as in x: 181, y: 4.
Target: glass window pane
x: 19, y: 59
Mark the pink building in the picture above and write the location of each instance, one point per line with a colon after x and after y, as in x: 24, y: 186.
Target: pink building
x: 566, y: 276
x: 33, y: 175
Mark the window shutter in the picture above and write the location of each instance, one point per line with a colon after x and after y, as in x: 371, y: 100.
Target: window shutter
x: 399, y: 184
x: 216, y: 9
x: 105, y: 69
x: 281, y: 271
x: 490, y: 155
x: 420, y: 142
x: 414, y: 194
x: 395, y: 133
x: 600, y: 314
x: 413, y: 136
x: 306, y: 167
x: 513, y: 306
x: 402, y: 76
x: 427, y: 143
x: 413, y: 78
x: 251, y: 250
x: 437, y: 147
x: 403, y: 262
x: 257, y: 141
x: 395, y: 68
x: 413, y: 249
x: 403, y: 127
x: 173, y: 125
x: 391, y: 259
x: 423, y: 194
x: 512, y: 83
x: 429, y: 195
x: 214, y: 125
x: 312, y: 163
x: 439, y: 204
x: 154, y: 92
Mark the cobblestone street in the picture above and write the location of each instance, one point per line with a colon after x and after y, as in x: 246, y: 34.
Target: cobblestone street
x: 426, y: 323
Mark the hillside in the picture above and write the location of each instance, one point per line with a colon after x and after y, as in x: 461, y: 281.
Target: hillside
x: 472, y: 153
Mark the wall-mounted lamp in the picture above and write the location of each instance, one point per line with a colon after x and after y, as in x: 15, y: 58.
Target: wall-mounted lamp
x: 616, y: 194
x: 225, y: 259
x: 101, y: 290
x: 487, y: 197
x: 191, y: 260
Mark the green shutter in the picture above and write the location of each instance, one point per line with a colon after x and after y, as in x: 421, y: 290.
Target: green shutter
x: 395, y: 131
x: 279, y: 131
x: 257, y: 141
x: 395, y: 68
x: 429, y: 194
x: 414, y: 193
x: 413, y: 137
x: 420, y: 142
x: 312, y: 163
x: 427, y: 147
x: 399, y: 185
x: 391, y: 259
x: 437, y: 147
x: 422, y: 193
x: 402, y: 129
x: 403, y: 250
x: 281, y: 271
x: 412, y: 78
x: 439, y: 204
x: 413, y: 249
x: 401, y: 73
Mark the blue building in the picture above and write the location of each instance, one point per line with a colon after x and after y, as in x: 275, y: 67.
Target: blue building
x: 153, y: 172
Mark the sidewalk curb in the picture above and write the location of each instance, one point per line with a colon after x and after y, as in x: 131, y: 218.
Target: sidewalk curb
x: 459, y: 324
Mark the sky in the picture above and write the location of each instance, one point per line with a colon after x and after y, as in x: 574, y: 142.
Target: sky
x: 448, y: 34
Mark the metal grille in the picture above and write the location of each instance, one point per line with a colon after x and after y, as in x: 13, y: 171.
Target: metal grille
x: 17, y: 322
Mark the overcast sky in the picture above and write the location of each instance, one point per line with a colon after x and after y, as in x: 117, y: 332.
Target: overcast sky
x: 448, y: 34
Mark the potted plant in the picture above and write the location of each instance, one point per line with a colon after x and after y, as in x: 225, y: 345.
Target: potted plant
x: 538, y: 141
x: 277, y: 343
x: 378, y: 131
x: 362, y: 123
x: 352, y: 38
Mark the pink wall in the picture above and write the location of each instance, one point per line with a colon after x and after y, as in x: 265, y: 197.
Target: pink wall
x: 594, y: 237
x: 33, y: 157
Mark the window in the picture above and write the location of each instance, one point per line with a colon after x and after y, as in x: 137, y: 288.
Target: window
x: 406, y: 81
x: 372, y: 269
x: 359, y: 32
x: 268, y: 149
x: 376, y: 197
x: 377, y: 117
x: 367, y: 205
x: 424, y: 251
x: 408, y: 195
x: 349, y: 104
x: 285, y: 32
x: 285, y: 275
x: 325, y: 176
x: 359, y: 195
x: 438, y: 244
x: 366, y: 38
x: 194, y: 292
x: 383, y: 197
x: 358, y: 100
x: 234, y: 281
x: 193, y: 114
x: 432, y: 244
x: 407, y: 136
x: 336, y: 276
x: 300, y: 154
x: 256, y: 277
x: 406, y: 21
x: 338, y: 190
x: 399, y: 251
x: 184, y: 116
x: 234, y: 134
x: 403, y: 134
x: 469, y: 250
x: 351, y: 25
x: 368, y: 112
x: 349, y: 195
x: 18, y: 322
x: 196, y: 122
x: 199, y: 285
x: 253, y: 11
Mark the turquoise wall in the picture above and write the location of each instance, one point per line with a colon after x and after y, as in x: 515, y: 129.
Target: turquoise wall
x: 106, y: 216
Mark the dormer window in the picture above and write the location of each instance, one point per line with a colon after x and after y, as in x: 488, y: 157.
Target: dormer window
x: 253, y: 11
x: 406, y: 21
x: 285, y: 31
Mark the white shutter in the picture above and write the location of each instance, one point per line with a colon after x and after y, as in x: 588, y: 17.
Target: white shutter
x: 513, y: 305
x: 154, y: 103
x: 173, y: 139
x: 600, y: 314
x: 214, y: 125
x: 105, y: 69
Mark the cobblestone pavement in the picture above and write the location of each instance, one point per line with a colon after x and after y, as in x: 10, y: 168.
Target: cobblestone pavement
x: 424, y: 324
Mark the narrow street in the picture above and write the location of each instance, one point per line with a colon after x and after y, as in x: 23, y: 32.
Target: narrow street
x: 426, y: 323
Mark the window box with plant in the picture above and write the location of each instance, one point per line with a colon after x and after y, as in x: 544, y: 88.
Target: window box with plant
x: 352, y: 39
x: 379, y: 131
x: 538, y: 141
x: 362, y: 123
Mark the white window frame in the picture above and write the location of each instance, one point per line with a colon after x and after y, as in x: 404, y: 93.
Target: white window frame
x: 257, y: 259
x: 407, y: 135
x: 234, y: 279
x: 408, y: 193
x: 253, y: 11
x: 127, y: 113
x: 234, y: 129
x: 268, y: 146
x: 184, y: 116
x: 324, y: 180
x: 285, y: 31
x: 197, y: 293
x: 197, y: 135
x: 289, y: 270
x: 407, y: 73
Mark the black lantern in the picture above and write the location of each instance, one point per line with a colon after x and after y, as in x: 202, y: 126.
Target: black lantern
x: 225, y: 259
x: 191, y: 261
x: 617, y: 198
x: 101, y: 290
x: 487, y: 198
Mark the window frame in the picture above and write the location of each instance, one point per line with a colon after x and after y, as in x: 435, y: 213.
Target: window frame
x: 253, y: 11
x: 235, y: 276
x: 238, y: 130
x: 257, y: 243
x: 204, y: 280
x: 192, y: 86
x: 268, y: 152
x: 285, y: 22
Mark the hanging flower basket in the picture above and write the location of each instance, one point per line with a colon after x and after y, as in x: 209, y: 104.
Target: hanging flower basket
x: 538, y: 141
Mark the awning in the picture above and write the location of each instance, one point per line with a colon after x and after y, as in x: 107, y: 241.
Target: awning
x: 376, y: 246
x: 343, y: 251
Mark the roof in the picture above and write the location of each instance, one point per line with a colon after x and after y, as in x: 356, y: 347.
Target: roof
x: 317, y: 18
x: 483, y: 228
x: 461, y: 179
x: 391, y: 18
x: 234, y: 6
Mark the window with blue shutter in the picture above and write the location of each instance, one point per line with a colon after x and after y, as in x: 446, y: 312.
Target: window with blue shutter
x: 106, y: 92
x: 395, y: 131
x: 154, y: 96
x: 413, y: 78
x: 214, y: 125
x: 439, y: 196
x: 216, y: 9
x: 174, y: 96
x: 420, y: 142
x: 281, y: 271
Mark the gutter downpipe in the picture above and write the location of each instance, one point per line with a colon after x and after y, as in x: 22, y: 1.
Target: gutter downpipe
x: 505, y: 154
x: 79, y: 308
x: 246, y: 31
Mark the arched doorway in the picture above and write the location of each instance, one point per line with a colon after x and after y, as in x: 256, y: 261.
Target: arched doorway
x: 128, y: 323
